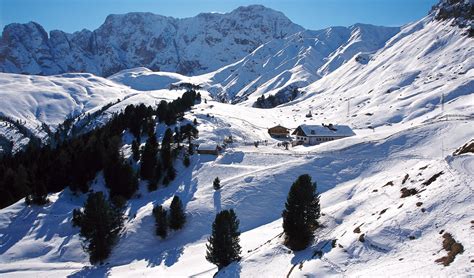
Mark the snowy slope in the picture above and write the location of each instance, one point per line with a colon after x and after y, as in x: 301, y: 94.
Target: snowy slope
x: 351, y: 174
x: 143, y: 79
x: 41, y: 103
x: 50, y: 100
x: 296, y: 61
x: 427, y: 67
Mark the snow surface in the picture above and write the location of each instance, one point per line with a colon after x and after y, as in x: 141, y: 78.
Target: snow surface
x: 49, y: 100
x: 143, y: 79
x: 297, y: 60
x: 255, y: 182
x: 410, y: 103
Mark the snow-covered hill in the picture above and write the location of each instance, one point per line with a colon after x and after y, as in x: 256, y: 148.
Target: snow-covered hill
x: 423, y: 71
x: 193, y: 45
x: 353, y: 175
x: 41, y: 103
x: 143, y: 79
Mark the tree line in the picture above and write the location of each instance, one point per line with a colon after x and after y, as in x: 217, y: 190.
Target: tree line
x: 101, y: 219
x: 74, y: 161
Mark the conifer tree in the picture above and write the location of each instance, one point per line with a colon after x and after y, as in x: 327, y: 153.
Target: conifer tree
x: 166, y: 149
x: 136, y: 150
x: 100, y: 223
x: 158, y: 171
x: 153, y: 183
x: 186, y: 161
x: 6, y: 193
x: 177, y: 137
x: 149, y: 158
x: 216, y: 183
x: 162, y: 110
x: 63, y: 164
x: 171, y: 173
x: 301, y: 213
x: 189, y: 131
x: 119, y: 176
x: 149, y: 127
x: 161, y: 221
x: 223, y: 247
x: 126, y: 182
x: 177, y: 216
x: 22, y: 182
x: 39, y: 193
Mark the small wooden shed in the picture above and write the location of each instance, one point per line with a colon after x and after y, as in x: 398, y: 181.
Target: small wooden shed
x: 279, y: 131
x: 208, y: 148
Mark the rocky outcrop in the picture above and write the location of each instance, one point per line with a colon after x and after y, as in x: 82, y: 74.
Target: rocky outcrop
x: 461, y: 12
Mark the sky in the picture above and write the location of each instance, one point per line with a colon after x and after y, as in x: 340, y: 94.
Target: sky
x: 75, y: 15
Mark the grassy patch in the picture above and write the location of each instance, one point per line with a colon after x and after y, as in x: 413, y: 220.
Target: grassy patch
x: 407, y: 192
x: 454, y: 248
x: 433, y: 178
x: 405, y: 178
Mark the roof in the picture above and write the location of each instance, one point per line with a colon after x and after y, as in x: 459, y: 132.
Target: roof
x: 279, y: 126
x: 207, y: 147
x: 327, y: 130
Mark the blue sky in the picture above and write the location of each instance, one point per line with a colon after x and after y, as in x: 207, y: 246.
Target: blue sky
x: 74, y: 15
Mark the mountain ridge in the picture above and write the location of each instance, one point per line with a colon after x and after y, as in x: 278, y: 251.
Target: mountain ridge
x: 297, y: 60
x: 143, y: 39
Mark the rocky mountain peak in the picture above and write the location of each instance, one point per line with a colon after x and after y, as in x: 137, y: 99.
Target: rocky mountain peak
x: 190, y: 45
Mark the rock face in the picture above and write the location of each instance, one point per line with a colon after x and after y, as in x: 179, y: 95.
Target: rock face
x: 461, y: 12
x: 193, y: 45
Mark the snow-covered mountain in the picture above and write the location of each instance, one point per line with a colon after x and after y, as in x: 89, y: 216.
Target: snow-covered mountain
x: 296, y: 61
x: 407, y: 92
x: 427, y: 69
x: 193, y: 45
